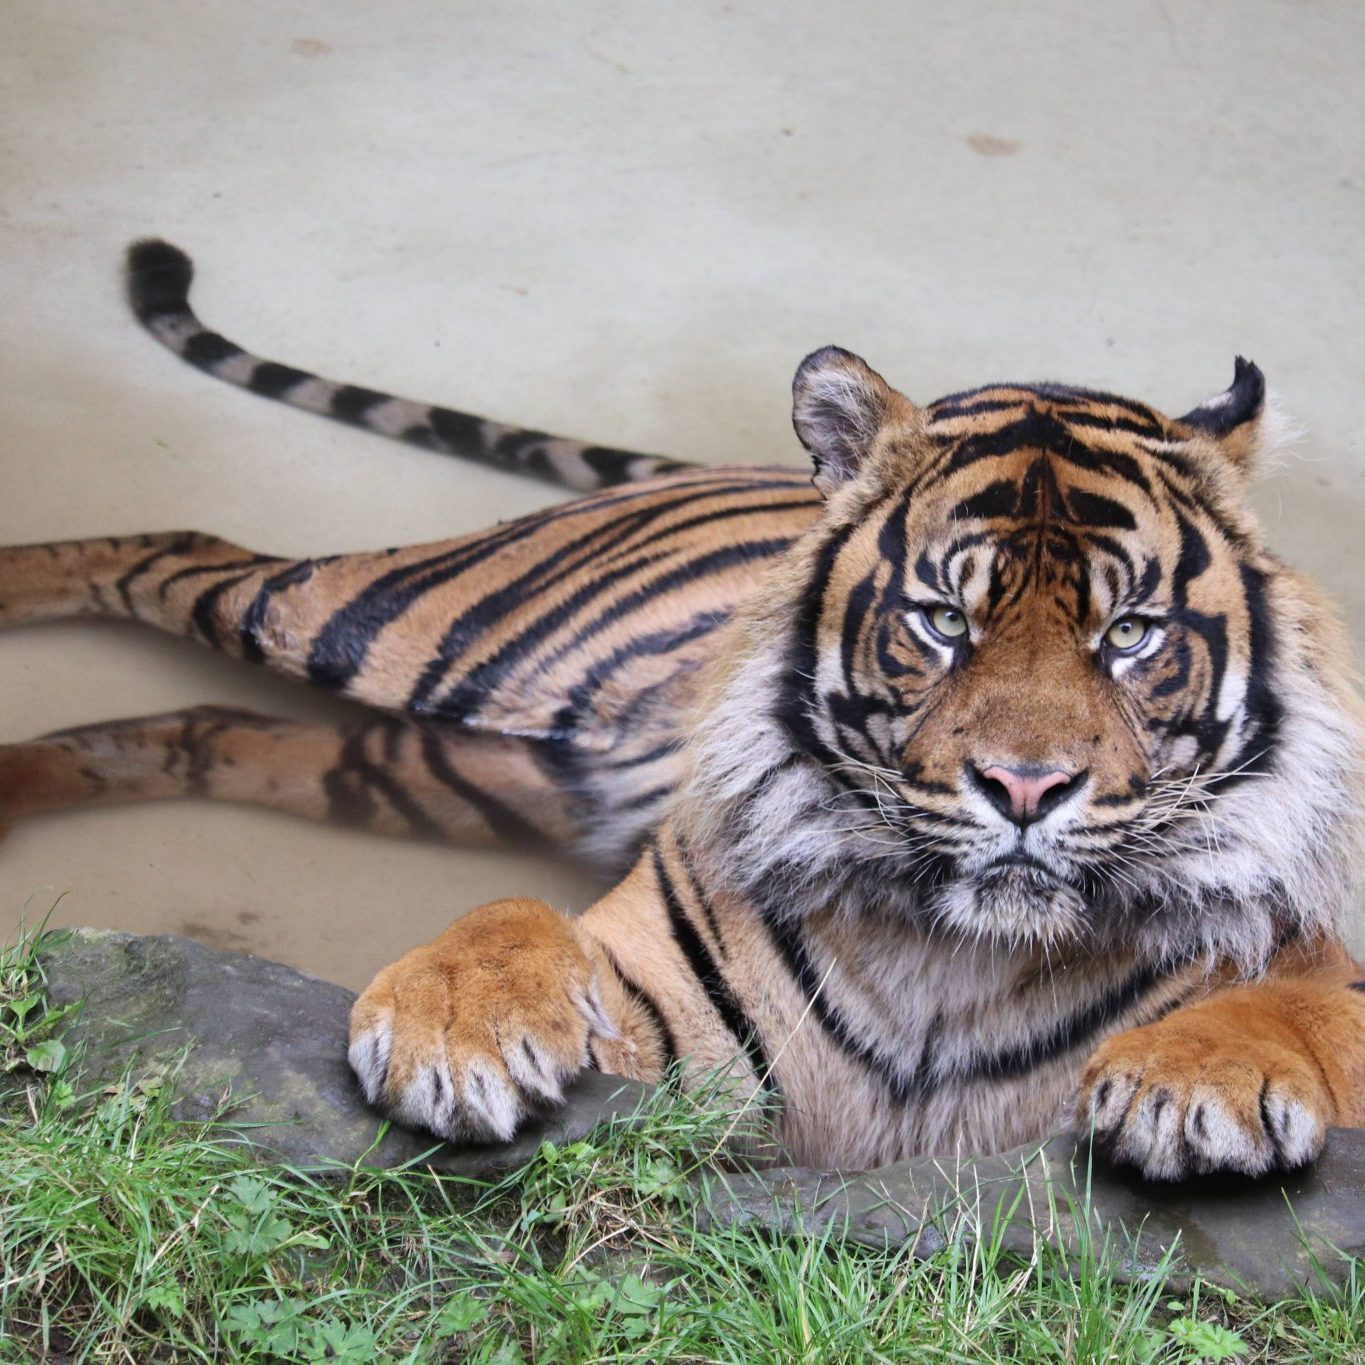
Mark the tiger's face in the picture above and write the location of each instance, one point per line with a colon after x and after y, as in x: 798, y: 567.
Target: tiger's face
x: 1035, y: 648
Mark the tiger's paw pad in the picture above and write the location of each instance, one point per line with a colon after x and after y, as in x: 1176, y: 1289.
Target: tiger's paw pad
x: 1180, y: 1106
x: 473, y: 1033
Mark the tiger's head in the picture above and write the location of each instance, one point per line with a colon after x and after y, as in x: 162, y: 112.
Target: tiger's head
x: 1034, y: 676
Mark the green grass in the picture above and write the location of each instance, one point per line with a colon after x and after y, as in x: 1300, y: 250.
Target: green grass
x: 127, y: 1236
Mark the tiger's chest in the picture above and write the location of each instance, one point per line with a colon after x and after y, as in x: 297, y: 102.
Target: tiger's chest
x: 886, y: 1043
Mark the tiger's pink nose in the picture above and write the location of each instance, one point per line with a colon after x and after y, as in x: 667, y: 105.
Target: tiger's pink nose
x: 1022, y: 793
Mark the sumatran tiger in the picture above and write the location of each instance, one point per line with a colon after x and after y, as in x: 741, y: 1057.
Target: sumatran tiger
x: 996, y: 779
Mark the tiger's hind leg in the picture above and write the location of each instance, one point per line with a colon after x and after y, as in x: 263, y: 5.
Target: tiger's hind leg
x: 262, y: 608
x: 158, y: 578
x: 385, y: 775
x: 371, y: 625
x: 257, y: 607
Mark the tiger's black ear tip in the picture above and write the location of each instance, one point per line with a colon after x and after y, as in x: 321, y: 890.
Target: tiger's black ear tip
x: 159, y: 278
x: 1247, y: 376
x: 1238, y: 404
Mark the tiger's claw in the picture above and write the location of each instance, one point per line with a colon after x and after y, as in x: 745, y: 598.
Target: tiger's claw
x: 1175, y: 1103
x: 471, y: 1034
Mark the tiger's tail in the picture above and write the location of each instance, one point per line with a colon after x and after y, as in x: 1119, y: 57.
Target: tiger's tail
x: 159, y: 277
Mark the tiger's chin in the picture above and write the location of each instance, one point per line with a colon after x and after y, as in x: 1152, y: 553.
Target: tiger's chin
x: 1014, y: 903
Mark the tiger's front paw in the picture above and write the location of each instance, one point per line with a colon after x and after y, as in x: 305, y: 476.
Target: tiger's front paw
x: 1187, y: 1097
x: 473, y: 1032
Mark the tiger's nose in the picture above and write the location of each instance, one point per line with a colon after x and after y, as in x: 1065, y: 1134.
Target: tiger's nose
x: 1024, y: 793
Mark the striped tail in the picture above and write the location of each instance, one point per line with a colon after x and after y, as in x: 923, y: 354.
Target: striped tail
x: 159, y: 277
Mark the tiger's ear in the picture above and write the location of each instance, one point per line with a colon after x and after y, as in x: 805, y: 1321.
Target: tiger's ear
x: 1236, y: 418
x: 839, y: 406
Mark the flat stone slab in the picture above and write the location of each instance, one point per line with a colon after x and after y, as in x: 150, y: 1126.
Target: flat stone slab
x: 1267, y: 1237
x: 274, y: 1040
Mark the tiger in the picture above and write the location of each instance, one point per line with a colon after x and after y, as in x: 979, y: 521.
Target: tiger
x: 991, y: 777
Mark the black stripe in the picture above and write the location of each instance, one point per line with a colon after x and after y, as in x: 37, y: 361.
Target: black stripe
x: 654, y: 755
x: 1044, y: 431
x: 796, y: 706
x: 667, y: 1042
x: 945, y: 411
x: 339, y: 650
x: 1093, y: 509
x: 999, y: 499
x: 207, y: 602
x: 613, y: 466
x: 124, y: 584
x: 600, y: 672
x: 459, y: 433
x: 253, y: 619
x: 1069, y: 393
x: 1268, y: 1124
x: 1116, y: 550
x: 358, y: 806
x: 1077, y: 1030
x: 1261, y: 704
x: 712, y: 981
x: 471, y: 690
x: 199, y: 570
x: 469, y: 626
x: 204, y: 350
x: 718, y: 561
x: 273, y: 380
x: 1108, y: 422
x: 350, y: 403
x: 1040, y: 491
x: 1069, y: 1034
x: 786, y: 935
x: 501, y: 819
x: 746, y: 509
x: 699, y: 894
x: 962, y: 402
x: 515, y: 448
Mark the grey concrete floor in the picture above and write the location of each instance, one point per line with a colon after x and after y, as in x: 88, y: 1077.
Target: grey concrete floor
x: 619, y: 221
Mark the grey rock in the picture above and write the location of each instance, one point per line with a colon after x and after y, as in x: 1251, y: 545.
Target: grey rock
x: 1267, y: 1237
x: 271, y: 1039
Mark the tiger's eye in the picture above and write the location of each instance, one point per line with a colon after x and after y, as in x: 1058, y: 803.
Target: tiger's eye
x: 949, y: 622
x: 1128, y: 632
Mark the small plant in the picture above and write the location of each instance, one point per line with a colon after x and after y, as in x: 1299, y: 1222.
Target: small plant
x: 27, y: 1024
x: 282, y: 1328
x: 1206, y: 1340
